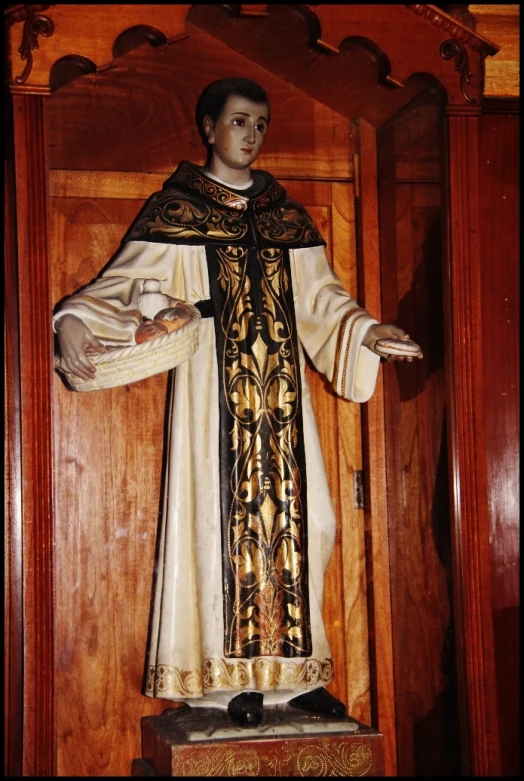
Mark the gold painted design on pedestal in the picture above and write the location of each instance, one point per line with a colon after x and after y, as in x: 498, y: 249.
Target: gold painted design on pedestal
x: 279, y: 761
x: 339, y: 760
x: 222, y: 762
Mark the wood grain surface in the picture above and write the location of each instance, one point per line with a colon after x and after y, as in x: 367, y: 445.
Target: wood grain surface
x: 499, y: 186
x: 36, y: 436
x: 500, y: 23
x: 374, y: 452
x: 470, y: 512
x: 139, y: 123
x: 108, y: 460
x: 13, y: 558
x: 416, y: 443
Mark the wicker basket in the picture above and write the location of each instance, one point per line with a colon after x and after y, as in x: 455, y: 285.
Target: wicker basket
x: 124, y: 365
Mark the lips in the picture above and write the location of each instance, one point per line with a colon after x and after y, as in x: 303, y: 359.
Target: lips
x: 246, y: 150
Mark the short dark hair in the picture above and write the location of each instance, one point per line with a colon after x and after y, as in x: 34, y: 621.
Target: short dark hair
x: 214, y: 97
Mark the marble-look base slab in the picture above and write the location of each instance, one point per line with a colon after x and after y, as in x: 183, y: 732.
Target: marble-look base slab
x: 196, y: 724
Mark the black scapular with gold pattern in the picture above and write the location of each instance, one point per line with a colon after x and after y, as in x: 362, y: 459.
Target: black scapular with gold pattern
x: 247, y: 235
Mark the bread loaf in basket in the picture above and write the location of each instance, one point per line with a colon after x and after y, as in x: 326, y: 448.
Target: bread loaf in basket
x: 124, y: 365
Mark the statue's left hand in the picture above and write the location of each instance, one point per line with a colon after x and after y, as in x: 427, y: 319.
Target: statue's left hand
x: 389, y: 331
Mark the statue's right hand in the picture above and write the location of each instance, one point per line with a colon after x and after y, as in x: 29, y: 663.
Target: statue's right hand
x: 74, y: 338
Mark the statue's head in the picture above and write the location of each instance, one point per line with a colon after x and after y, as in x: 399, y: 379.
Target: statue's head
x: 228, y: 107
x: 215, y: 96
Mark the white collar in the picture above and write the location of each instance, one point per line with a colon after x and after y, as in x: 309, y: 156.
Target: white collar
x: 229, y: 184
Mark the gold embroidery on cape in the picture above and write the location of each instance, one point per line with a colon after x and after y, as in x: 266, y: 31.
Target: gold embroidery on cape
x: 265, y: 520
x: 212, y: 211
x: 192, y: 176
x: 176, y: 215
x: 288, y: 223
x: 217, y: 193
x: 237, y: 675
x: 275, y: 193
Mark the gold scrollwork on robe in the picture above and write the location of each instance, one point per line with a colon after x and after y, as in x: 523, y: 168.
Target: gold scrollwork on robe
x: 267, y: 574
x: 238, y: 675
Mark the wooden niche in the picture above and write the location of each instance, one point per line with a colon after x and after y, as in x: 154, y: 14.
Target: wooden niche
x: 357, y: 136
x: 97, y: 183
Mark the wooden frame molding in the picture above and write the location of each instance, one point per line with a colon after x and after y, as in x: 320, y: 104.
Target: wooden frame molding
x: 39, y: 754
x: 471, y: 561
x: 13, y: 577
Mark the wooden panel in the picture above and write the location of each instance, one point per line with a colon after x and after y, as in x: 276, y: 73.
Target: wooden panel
x: 417, y: 141
x: 398, y: 36
x: 374, y: 454
x: 499, y: 186
x: 132, y: 118
x: 108, y: 471
x: 134, y: 185
x: 500, y: 23
x: 419, y: 495
x: 416, y: 448
x: 349, y: 447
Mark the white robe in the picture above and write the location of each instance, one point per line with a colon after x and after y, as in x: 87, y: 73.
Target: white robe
x: 186, y: 656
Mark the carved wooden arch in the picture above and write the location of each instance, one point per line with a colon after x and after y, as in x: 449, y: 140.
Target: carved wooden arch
x: 326, y: 28
x: 331, y: 29
x: 136, y: 36
x: 73, y: 66
x: 68, y: 69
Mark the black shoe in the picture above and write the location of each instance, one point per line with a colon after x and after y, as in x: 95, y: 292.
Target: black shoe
x: 246, y: 709
x: 319, y: 702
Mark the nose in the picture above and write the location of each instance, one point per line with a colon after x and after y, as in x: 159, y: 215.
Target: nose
x: 249, y: 137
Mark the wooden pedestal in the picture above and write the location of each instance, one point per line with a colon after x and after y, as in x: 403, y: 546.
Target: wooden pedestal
x: 183, y: 742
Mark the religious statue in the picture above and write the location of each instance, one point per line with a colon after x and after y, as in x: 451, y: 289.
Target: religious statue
x: 248, y: 526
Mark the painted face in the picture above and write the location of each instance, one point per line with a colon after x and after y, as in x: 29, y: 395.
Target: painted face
x: 238, y: 134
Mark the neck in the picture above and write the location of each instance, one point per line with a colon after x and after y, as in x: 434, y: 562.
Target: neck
x: 229, y: 175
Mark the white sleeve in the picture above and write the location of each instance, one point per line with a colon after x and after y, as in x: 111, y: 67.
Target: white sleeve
x: 331, y: 326
x: 109, y: 306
